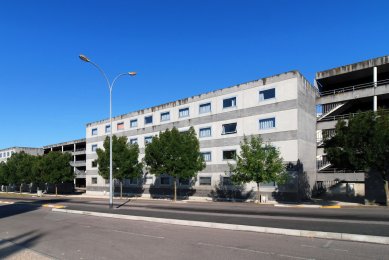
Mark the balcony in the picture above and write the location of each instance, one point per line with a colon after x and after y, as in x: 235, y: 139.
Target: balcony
x: 78, y: 163
x: 354, y: 92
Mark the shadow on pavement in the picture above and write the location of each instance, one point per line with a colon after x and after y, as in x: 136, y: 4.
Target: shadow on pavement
x: 13, y: 245
x: 21, y: 207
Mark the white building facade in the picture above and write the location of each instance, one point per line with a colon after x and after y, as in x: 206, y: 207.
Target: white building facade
x: 281, y: 109
x: 6, y: 153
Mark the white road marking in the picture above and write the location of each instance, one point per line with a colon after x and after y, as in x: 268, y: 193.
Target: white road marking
x: 253, y: 251
x: 337, y: 249
x: 295, y: 257
x: 308, y: 246
x: 137, y: 234
x: 235, y: 248
x: 327, y: 245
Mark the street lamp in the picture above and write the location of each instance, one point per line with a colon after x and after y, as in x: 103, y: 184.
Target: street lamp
x: 110, y: 86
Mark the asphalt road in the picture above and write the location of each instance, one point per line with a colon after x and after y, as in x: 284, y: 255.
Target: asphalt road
x: 28, y: 231
x: 355, y: 220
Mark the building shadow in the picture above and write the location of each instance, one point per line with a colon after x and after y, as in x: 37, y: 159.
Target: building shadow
x: 130, y: 189
x: 13, y: 245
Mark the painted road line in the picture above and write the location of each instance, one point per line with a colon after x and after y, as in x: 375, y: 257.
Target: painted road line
x: 53, y: 206
x: 308, y: 206
x: 269, y: 230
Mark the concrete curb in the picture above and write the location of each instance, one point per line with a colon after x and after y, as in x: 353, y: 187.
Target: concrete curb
x: 269, y: 230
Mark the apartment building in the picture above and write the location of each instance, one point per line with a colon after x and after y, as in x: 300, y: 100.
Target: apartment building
x: 281, y: 109
x: 7, y: 152
x: 77, y: 148
x: 344, y: 91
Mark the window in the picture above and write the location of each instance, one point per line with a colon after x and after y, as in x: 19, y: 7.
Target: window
x: 182, y: 181
x: 107, y: 128
x: 267, y: 94
x: 205, y: 181
x: 134, y: 123
x: 133, y: 181
x: 165, y: 116
x: 1, y: 155
x: 148, y: 120
x: 94, y: 131
x: 207, y: 156
x: 94, y: 147
x: 229, y: 128
x: 183, y: 112
x: 165, y: 180
x: 205, y: 132
x: 229, y: 155
x: 94, y: 164
x: 120, y: 126
x: 148, y: 139
x: 267, y: 123
x: 205, y: 108
x: 134, y: 141
x: 227, y: 181
x: 94, y: 180
x: 106, y: 181
x: 229, y: 102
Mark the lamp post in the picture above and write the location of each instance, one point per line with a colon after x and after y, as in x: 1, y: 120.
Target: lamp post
x: 110, y: 86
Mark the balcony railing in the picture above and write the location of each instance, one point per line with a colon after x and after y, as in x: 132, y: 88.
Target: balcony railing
x: 355, y: 87
x: 346, y: 116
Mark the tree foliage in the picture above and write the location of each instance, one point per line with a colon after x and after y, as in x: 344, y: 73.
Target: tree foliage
x: 125, y: 163
x: 55, y: 168
x: 258, y: 162
x: 175, y: 154
x: 361, y: 144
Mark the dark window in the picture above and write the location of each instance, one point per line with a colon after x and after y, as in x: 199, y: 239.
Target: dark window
x: 229, y: 102
x: 229, y: 155
x: 148, y: 120
x: 229, y: 129
x: 267, y: 94
x: 267, y: 123
x: 94, y: 180
x: 205, y: 108
x: 94, y: 164
x: 165, y: 180
x: 184, y: 181
x: 227, y: 181
x: 205, y: 181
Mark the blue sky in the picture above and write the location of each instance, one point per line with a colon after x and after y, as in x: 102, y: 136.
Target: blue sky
x: 179, y: 48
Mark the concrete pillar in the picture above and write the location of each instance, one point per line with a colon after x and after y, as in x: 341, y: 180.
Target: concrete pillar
x: 375, y: 85
x: 62, y: 148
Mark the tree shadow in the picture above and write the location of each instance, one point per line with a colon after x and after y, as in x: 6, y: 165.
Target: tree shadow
x: 11, y: 246
x: 21, y: 207
x: 129, y: 188
x: 160, y: 191
x: 232, y: 192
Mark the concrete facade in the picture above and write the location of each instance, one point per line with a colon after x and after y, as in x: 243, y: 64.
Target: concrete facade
x: 344, y: 91
x: 288, y: 103
x: 77, y: 148
x: 6, y: 153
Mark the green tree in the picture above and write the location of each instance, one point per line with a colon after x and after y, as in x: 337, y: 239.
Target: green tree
x: 175, y: 154
x: 3, y: 173
x: 19, y: 168
x: 125, y: 163
x: 56, y: 169
x: 362, y: 144
x: 258, y: 162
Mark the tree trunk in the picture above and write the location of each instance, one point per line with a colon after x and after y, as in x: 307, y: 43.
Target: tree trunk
x: 258, y: 195
x: 56, y: 190
x: 387, y: 191
x: 175, y: 190
x: 20, y: 189
x: 121, y: 189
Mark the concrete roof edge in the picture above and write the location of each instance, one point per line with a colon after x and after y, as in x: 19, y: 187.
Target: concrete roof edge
x: 353, y: 67
x: 65, y: 143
